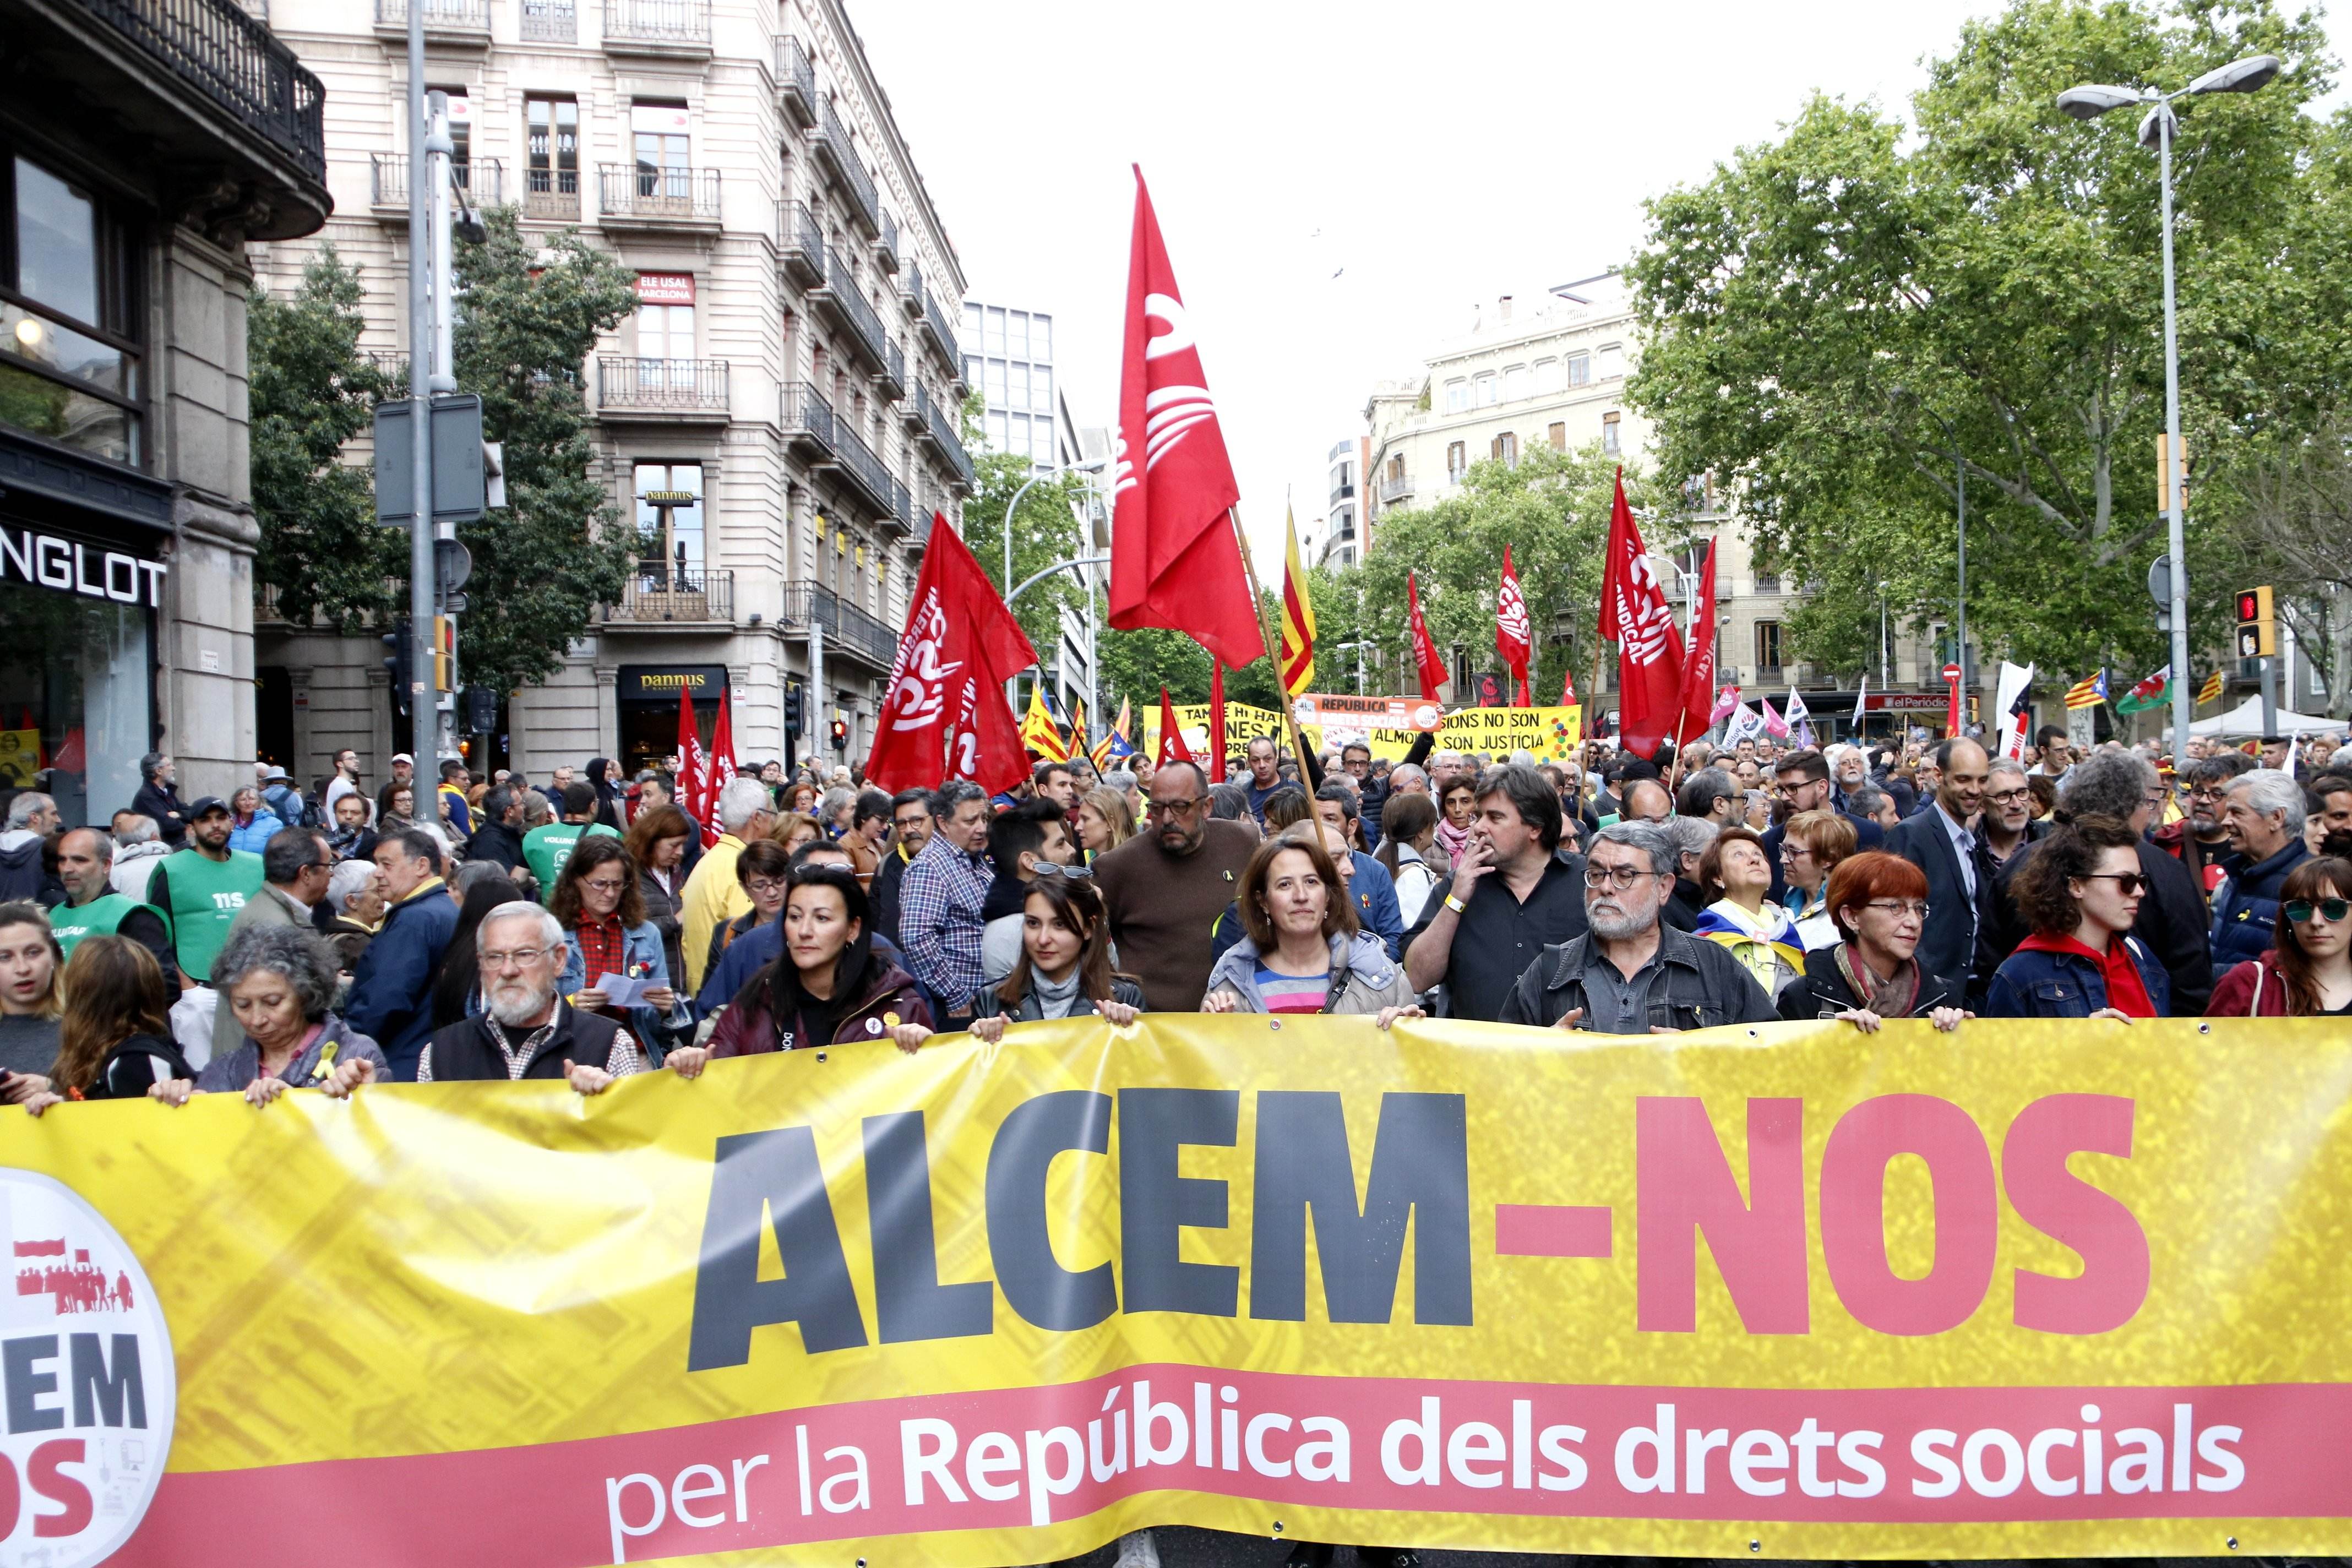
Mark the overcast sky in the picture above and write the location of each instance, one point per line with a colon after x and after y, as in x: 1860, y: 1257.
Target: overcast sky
x: 1339, y: 186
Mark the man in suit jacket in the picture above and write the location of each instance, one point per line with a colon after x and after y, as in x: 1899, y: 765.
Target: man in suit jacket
x: 1941, y: 840
x: 295, y: 868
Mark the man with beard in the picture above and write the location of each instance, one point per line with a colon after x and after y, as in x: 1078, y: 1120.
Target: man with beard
x: 1630, y: 973
x: 1942, y: 842
x: 527, y: 1031
x: 202, y: 887
x: 1164, y: 888
x: 2200, y: 841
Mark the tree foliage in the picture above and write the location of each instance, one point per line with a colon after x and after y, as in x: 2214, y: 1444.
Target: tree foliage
x: 1837, y: 319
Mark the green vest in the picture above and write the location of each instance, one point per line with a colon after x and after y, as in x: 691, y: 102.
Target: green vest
x: 100, y: 917
x: 206, y: 897
x: 545, y: 849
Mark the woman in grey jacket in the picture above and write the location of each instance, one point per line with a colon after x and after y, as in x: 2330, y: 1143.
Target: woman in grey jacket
x: 1305, y: 953
x: 1064, y: 969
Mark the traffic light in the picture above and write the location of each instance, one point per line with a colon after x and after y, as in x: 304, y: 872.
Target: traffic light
x: 2257, y: 628
x: 481, y: 709
x: 444, y: 652
x: 397, y: 666
x: 795, y: 711
x: 840, y: 736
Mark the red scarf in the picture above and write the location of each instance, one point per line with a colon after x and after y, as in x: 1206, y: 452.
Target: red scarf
x: 2127, y: 993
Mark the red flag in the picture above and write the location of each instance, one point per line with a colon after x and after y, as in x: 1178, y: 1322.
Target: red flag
x: 947, y: 684
x: 1172, y: 748
x: 692, y: 799
x: 1430, y: 667
x: 1566, y: 688
x: 1698, y: 657
x: 1174, y: 562
x: 1217, y: 752
x: 1514, y: 638
x: 721, y: 769
x: 1634, y: 615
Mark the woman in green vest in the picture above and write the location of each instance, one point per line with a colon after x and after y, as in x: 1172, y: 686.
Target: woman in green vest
x: 30, y: 1005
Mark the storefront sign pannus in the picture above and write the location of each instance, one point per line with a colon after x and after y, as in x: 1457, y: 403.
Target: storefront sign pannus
x: 73, y: 566
x: 659, y: 682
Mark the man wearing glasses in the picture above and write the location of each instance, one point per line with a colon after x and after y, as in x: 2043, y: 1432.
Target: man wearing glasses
x: 1164, y: 888
x: 391, y: 991
x: 2202, y: 840
x: 1512, y: 897
x: 2009, y: 825
x: 940, y: 898
x: 527, y: 1031
x: 1630, y: 973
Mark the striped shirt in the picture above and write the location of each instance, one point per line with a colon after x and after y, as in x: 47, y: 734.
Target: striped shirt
x: 1293, y: 992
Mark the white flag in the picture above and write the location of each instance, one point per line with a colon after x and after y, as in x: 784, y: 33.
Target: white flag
x: 1859, y: 692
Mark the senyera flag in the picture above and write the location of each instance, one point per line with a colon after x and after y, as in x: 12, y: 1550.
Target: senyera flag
x: 1634, y: 615
x: 1175, y: 560
x: 1698, y: 657
x: 1427, y: 663
x: 945, y: 715
x: 1297, y: 660
x: 1514, y: 638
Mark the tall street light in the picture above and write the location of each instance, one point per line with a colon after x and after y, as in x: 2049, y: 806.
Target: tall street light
x: 1004, y: 584
x: 2088, y: 102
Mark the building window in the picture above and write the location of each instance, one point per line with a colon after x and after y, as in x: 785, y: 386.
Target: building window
x: 1456, y: 462
x: 1516, y: 383
x: 1552, y: 375
x: 1767, y: 581
x: 669, y: 523
x: 1613, y: 360
x: 555, y: 146
x: 1485, y: 388
x: 666, y: 321
x: 1457, y: 396
x: 663, y: 150
x: 1557, y: 434
x: 1609, y: 433
x: 1580, y: 369
x: 1767, y: 645
x: 69, y: 354
x: 1506, y: 449
x: 1396, y: 468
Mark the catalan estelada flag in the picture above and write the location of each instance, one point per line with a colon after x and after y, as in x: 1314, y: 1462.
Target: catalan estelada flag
x: 1039, y: 733
x: 1115, y: 744
x: 2088, y: 693
x: 1297, y: 660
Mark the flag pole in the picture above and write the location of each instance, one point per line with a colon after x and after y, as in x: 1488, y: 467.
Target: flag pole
x: 1273, y: 647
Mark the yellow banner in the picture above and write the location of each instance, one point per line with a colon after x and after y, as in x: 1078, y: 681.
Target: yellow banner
x: 2034, y: 1289
x: 1550, y: 734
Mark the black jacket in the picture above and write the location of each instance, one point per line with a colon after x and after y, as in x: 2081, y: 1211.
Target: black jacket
x: 466, y: 1051
x: 135, y: 1064
x: 2170, y: 925
x: 24, y: 872
x: 163, y: 803
x: 986, y: 1004
x: 1948, y: 947
x: 883, y: 894
x: 496, y: 842
x: 1703, y: 986
x: 1683, y: 905
x: 1821, y: 991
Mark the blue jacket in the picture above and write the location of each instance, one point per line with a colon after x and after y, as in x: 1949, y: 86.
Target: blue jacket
x: 288, y: 805
x: 2031, y: 984
x: 392, y: 992
x: 2246, y: 906
x: 256, y: 833
x: 640, y: 944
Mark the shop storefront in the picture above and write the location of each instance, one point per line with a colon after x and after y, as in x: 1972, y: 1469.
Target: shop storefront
x: 83, y: 566
x: 648, y: 697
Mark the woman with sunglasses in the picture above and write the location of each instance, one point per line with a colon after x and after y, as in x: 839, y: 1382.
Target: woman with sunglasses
x: 2309, y: 973
x: 1879, y: 902
x: 2081, y: 891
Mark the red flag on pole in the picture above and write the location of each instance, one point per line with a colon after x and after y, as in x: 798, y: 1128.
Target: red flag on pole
x: 1513, y: 637
x: 946, y: 716
x: 1566, y: 688
x: 1174, y: 561
x: 1172, y: 748
x: 1698, y: 658
x: 691, y: 793
x: 1634, y: 615
x: 1218, y: 752
x: 1426, y: 663
x: 721, y: 769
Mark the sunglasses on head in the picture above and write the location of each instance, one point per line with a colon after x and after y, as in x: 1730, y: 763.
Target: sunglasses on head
x: 2332, y: 910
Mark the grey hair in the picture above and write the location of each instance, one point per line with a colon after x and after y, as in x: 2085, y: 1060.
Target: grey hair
x: 1403, y: 771
x: 293, y: 952
x: 103, y: 847
x: 1862, y: 800
x: 550, y: 929
x: 1691, y: 834
x: 2005, y: 765
x: 742, y: 799
x: 347, y: 881
x: 834, y: 799
x: 1648, y: 837
x: 1119, y: 779
x: 22, y: 809
x: 953, y: 794
x: 2115, y: 783
x: 474, y: 873
x: 536, y: 811
x: 141, y: 830
x: 2269, y: 790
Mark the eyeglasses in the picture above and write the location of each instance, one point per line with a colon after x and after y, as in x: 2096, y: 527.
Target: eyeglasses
x: 1049, y: 868
x: 602, y: 884
x: 1175, y: 807
x: 759, y: 884
x: 1899, y: 908
x: 2332, y: 910
x: 2011, y: 796
x: 2130, y: 884
x: 1618, y: 876
x: 519, y: 958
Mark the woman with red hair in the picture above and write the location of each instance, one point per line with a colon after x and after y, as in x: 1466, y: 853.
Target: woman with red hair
x: 1880, y: 904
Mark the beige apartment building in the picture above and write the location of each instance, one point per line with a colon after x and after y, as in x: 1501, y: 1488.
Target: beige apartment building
x: 1554, y: 374
x: 780, y: 417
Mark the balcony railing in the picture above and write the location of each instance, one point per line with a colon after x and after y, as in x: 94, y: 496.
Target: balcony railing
x: 800, y: 245
x: 808, y: 419
x: 890, y: 381
x: 944, y: 441
x: 440, y: 15
x: 549, y: 22
x: 480, y: 179
x: 840, y: 155
x: 795, y: 81
x: 626, y: 382
x: 924, y: 306
x: 885, y: 249
x: 860, y: 633
x: 902, y: 508
x: 865, y: 470
x: 657, y: 592
x: 678, y: 23
x: 846, y: 301
x: 551, y: 194
x: 640, y: 193
x: 235, y: 61
x: 1394, y: 488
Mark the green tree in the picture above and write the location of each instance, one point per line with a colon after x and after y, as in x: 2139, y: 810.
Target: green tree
x: 1834, y: 315
x: 1045, y: 531
x: 534, y: 307
x: 311, y: 389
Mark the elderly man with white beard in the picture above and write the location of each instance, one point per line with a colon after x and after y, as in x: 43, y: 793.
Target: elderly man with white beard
x: 527, y: 1031
x: 1630, y: 973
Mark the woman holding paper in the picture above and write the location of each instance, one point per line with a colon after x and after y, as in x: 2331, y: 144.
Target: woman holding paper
x: 612, y: 951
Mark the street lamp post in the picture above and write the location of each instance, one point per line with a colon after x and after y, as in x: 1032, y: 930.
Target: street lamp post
x: 2088, y: 102
x: 1004, y: 583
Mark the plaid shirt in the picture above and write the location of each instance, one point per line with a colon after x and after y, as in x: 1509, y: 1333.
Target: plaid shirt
x: 622, y: 1060
x: 602, y: 946
x: 939, y: 900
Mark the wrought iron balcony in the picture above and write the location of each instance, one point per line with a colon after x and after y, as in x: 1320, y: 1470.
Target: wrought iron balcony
x: 548, y: 22
x: 444, y: 20
x: 942, y: 336
x: 945, y: 444
x: 657, y: 593
x: 901, y: 516
x: 640, y: 195
x: 890, y: 381
x: 693, y: 389
x: 237, y: 62
x: 885, y: 249
x: 911, y: 289
x: 839, y: 153
x: 657, y: 27
x: 481, y: 180
x: 840, y: 298
x: 865, y: 472
x: 1394, y: 488
x: 795, y: 82
x: 551, y: 194
x: 860, y: 635
x: 807, y: 421
x: 800, y: 245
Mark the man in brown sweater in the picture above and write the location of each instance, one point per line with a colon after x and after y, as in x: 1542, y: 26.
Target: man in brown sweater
x: 1165, y: 888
